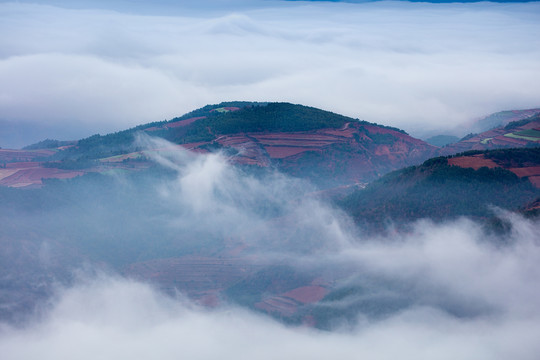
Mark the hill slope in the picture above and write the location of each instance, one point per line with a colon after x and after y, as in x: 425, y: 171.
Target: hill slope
x: 447, y: 187
x: 522, y: 133
x: 326, y: 148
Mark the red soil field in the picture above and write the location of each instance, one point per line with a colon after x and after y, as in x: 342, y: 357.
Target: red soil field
x: 307, y: 294
x: 22, y: 165
x: 183, y: 122
x: 175, y: 124
x: 23, y: 155
x: 6, y: 172
x: 475, y: 162
x: 532, y: 173
x: 297, y: 142
x: 226, y: 140
x: 535, y: 180
x: 346, y: 133
x: 33, y: 176
x: 280, y: 152
x: 508, y: 141
x: 526, y: 171
x: 294, y: 137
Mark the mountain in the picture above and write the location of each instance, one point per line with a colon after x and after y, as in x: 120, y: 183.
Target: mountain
x: 522, y: 133
x: 467, y: 184
x: 326, y: 148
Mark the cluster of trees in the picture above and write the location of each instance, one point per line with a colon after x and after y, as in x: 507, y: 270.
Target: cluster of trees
x: 252, y: 117
x: 273, y: 117
x: 47, y: 144
x: 515, y: 157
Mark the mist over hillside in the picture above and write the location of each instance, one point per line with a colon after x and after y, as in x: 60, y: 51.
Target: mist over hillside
x: 195, y: 251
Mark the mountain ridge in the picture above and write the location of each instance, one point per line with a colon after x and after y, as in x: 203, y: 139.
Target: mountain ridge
x: 326, y: 148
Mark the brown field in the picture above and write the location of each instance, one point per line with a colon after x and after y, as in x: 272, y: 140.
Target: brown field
x: 531, y: 172
x: 28, y: 176
x: 346, y: 133
x: 280, y: 152
x: 175, y: 124
x: 526, y: 171
x: 509, y: 141
x: 475, y: 162
x: 7, y: 172
x: 183, y: 122
x: 535, y: 180
x: 226, y: 140
x: 307, y: 294
x: 23, y: 155
x: 22, y: 165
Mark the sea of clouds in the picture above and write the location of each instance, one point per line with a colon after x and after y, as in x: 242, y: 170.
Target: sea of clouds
x: 470, y: 295
x: 104, y: 66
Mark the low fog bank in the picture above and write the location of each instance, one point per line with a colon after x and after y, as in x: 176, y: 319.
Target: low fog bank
x: 108, y: 317
x: 441, y: 291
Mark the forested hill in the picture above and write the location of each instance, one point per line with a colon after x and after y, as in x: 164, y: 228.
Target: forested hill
x: 468, y: 184
x: 326, y: 148
x: 208, y: 123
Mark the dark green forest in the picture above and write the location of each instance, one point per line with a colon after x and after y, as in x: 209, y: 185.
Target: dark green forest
x: 439, y: 191
x: 252, y: 117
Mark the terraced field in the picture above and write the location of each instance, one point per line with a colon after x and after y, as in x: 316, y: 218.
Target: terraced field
x: 522, y: 134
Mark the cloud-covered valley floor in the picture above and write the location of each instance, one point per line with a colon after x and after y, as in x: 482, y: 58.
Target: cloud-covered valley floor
x: 468, y: 294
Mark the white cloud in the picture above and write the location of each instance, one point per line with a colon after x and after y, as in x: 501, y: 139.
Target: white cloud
x: 438, y: 268
x: 403, y: 64
x: 110, y: 317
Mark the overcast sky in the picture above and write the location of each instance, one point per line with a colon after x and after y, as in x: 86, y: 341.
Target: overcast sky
x: 413, y: 65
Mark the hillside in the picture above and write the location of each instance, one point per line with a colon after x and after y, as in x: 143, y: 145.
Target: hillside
x: 326, y: 148
x: 442, y: 188
x: 522, y: 133
x: 501, y: 118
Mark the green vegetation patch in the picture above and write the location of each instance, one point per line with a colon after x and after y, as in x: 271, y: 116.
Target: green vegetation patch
x: 517, y: 136
x: 222, y: 110
x: 485, y: 141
